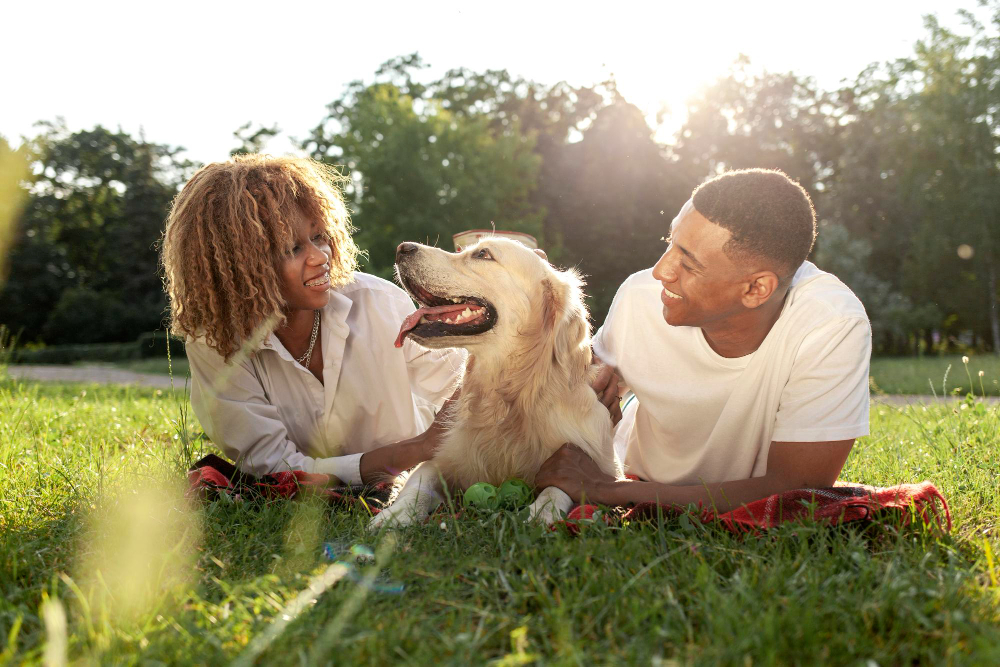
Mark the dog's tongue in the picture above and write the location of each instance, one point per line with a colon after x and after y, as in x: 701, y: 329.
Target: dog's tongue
x: 413, y: 319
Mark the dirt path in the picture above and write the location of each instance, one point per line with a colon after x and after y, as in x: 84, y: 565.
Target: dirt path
x: 898, y: 400
x: 108, y: 375
x: 98, y: 374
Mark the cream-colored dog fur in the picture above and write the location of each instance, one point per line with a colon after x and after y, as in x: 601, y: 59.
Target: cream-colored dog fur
x: 526, y: 389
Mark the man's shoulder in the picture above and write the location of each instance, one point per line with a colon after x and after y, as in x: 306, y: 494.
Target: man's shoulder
x: 823, y: 293
x: 640, y: 285
x: 636, y: 317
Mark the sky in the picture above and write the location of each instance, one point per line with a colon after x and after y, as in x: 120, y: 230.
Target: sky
x: 190, y: 73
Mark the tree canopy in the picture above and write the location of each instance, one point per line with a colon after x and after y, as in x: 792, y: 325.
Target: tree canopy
x: 902, y: 164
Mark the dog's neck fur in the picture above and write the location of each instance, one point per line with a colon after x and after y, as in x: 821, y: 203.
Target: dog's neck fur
x: 512, y: 396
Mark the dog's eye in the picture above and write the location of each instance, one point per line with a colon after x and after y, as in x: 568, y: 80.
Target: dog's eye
x: 483, y: 253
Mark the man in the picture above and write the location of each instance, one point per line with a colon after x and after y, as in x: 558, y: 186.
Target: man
x: 749, y: 365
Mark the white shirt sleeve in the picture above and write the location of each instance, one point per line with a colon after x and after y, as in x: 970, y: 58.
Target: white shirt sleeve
x: 235, y: 412
x: 827, y: 397
x: 608, y: 343
x: 434, y: 374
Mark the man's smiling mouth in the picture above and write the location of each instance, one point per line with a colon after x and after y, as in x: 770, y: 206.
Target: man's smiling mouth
x: 671, y: 294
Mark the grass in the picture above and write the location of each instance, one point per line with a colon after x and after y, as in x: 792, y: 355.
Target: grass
x: 926, y: 375
x: 101, y: 557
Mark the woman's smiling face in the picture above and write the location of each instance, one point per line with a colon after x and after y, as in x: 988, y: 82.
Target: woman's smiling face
x: 305, y: 270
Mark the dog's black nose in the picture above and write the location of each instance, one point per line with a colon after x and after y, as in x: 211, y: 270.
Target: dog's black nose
x: 405, y: 249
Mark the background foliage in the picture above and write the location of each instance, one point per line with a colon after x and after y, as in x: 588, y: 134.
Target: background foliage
x: 902, y: 165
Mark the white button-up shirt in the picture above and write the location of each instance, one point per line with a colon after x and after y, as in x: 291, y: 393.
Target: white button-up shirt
x: 269, y: 413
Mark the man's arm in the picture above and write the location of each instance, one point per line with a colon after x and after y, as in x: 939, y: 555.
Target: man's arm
x: 790, y: 465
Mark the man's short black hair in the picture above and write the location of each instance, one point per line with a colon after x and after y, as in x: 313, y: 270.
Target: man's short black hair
x: 769, y: 215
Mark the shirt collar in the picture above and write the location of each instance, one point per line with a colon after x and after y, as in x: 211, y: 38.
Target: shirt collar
x: 334, y: 316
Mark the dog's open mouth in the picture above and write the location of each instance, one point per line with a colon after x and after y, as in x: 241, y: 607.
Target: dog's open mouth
x: 446, y: 315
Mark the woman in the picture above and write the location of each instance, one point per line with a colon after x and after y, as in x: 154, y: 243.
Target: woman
x: 291, y: 350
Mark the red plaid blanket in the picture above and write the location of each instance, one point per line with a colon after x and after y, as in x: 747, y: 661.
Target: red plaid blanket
x: 843, y: 503
x: 212, y: 477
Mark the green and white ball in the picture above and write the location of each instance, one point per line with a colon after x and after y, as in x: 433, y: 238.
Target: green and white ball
x: 481, y: 495
x: 515, y: 493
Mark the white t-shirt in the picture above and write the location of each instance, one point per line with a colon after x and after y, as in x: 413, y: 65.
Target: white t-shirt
x: 703, y: 418
x: 270, y: 413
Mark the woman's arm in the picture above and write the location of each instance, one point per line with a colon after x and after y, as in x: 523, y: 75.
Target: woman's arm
x: 236, y: 414
x: 390, y: 460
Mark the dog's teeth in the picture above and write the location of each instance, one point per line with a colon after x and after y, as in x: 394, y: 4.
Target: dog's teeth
x: 449, y: 321
x: 466, y: 313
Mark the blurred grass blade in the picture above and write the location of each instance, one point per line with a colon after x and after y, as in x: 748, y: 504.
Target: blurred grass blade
x: 54, y: 616
x: 14, y: 170
x: 317, y: 586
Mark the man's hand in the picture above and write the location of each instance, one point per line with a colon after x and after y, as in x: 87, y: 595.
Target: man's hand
x: 571, y: 470
x: 605, y: 385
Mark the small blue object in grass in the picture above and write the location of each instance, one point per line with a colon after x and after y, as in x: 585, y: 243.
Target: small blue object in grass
x: 515, y: 493
x: 356, y: 556
x: 481, y: 495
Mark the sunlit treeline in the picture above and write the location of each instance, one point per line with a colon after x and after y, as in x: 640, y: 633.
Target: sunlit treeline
x: 902, y: 166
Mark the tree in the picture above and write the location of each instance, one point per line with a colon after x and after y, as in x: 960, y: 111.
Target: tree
x: 419, y: 169
x: 253, y: 142
x: 575, y: 166
x: 919, y: 174
x: 894, y: 317
x: 88, y: 234
x: 613, y: 195
x: 753, y: 118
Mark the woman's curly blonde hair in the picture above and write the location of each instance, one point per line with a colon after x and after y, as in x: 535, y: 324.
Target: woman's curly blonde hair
x: 228, y: 232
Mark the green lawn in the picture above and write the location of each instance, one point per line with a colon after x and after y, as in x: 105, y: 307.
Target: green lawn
x: 913, y: 375
x: 94, y: 530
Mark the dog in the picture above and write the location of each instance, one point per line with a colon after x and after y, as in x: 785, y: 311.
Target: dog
x: 526, y: 388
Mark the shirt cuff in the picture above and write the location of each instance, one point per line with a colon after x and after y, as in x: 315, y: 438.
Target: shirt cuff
x: 345, y: 468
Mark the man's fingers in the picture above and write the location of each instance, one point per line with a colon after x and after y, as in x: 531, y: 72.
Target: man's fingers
x: 603, y: 379
x: 609, y: 398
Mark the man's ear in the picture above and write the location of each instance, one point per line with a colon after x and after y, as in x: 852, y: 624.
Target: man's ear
x: 760, y: 287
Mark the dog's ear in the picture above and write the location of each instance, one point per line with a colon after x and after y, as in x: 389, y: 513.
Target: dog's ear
x: 565, y: 315
x: 559, y: 343
x: 553, y: 300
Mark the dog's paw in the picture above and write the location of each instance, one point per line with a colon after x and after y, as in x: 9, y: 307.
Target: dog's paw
x: 390, y: 519
x: 545, y: 513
